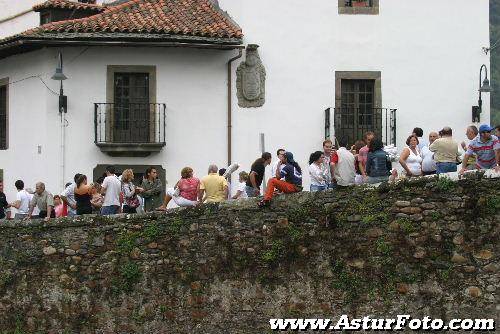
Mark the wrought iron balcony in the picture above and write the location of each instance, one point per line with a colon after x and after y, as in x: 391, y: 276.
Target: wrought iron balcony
x: 130, y: 129
x: 359, y: 3
x: 352, y: 123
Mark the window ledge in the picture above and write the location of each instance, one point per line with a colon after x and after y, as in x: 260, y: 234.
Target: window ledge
x: 130, y: 149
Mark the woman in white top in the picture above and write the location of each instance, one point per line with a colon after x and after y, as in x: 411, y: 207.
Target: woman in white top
x: 410, y: 158
x: 317, y: 172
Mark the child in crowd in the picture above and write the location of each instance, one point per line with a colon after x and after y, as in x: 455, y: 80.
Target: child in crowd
x: 58, y: 206
x: 358, y: 145
x: 97, y: 199
x: 240, y: 191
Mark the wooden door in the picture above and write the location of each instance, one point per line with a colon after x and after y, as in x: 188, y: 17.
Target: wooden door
x: 357, y: 114
x: 131, y: 111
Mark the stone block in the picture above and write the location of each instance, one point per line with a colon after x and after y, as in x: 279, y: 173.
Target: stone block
x: 458, y: 259
x: 416, y: 217
x: 474, y: 292
x: 49, y: 250
x: 374, y: 232
x: 69, y: 252
x: 483, y: 254
x: 458, y: 239
x: 417, y: 201
x: 428, y: 206
x: 411, y: 210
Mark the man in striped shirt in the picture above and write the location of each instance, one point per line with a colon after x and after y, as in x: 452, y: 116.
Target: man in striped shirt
x: 486, y: 148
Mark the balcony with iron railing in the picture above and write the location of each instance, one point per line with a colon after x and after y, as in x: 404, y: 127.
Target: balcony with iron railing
x: 353, y: 123
x: 359, y: 3
x: 130, y: 129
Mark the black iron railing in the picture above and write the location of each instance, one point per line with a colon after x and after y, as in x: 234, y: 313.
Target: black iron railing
x: 352, y: 123
x: 129, y: 122
x: 367, y: 3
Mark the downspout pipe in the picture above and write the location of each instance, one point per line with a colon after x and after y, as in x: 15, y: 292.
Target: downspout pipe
x: 230, y: 105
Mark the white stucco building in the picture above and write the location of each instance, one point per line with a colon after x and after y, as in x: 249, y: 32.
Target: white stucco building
x: 169, y: 75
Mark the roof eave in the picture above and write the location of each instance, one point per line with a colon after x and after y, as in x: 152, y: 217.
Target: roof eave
x: 26, y: 44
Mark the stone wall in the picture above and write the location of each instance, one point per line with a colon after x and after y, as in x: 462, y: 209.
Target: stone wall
x: 422, y: 247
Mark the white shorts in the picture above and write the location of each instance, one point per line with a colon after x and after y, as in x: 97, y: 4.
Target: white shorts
x: 179, y: 200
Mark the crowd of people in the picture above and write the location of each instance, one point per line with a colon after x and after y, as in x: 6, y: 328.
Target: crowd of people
x: 367, y: 161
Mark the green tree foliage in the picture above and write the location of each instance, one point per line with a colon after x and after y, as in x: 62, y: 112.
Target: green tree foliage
x: 495, y: 60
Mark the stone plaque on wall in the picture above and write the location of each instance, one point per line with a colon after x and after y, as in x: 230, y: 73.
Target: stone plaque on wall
x: 251, y: 80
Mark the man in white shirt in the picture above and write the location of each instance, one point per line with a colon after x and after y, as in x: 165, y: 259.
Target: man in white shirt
x: 428, y: 162
x: 280, y: 154
x: 111, y: 189
x: 68, y: 196
x: 22, y: 202
x: 344, y: 170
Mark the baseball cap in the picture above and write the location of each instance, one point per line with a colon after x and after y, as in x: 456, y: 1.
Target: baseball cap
x: 485, y: 128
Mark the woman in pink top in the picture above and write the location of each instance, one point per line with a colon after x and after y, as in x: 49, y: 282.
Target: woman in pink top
x: 185, y: 192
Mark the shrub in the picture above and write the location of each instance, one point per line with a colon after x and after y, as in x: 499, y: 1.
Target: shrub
x: 445, y: 184
x: 275, y: 253
x: 383, y: 246
x: 126, y: 242
x: 151, y: 232
x: 406, y: 225
x: 175, y: 226
x: 130, y: 275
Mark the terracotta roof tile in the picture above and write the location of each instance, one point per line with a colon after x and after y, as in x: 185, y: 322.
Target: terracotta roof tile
x: 189, y: 18
x: 66, y: 4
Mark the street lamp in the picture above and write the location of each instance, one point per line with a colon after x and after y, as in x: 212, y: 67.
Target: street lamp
x: 484, y: 87
x: 63, y: 109
x: 59, y: 76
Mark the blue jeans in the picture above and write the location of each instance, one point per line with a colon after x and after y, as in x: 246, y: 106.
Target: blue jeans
x: 445, y: 167
x: 110, y: 210
x: 251, y: 191
x: 314, y: 187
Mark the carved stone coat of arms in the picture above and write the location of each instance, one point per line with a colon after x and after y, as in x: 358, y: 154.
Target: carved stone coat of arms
x: 251, y: 80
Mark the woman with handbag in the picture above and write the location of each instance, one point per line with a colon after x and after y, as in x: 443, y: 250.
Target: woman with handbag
x: 130, y: 191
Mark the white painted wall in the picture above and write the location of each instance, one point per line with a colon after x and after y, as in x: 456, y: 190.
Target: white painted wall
x: 429, y: 53
x: 191, y: 82
x: 30, y: 123
x: 17, y: 16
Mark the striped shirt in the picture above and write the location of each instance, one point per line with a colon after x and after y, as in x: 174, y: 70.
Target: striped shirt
x: 484, y: 152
